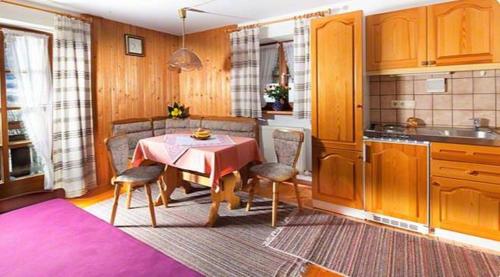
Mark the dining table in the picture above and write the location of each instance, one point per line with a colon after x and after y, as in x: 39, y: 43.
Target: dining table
x: 215, y: 162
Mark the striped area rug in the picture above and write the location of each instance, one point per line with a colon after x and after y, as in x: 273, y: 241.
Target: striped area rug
x: 234, y: 247
x: 359, y: 249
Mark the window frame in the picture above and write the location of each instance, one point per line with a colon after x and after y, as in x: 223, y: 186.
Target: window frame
x: 28, y: 183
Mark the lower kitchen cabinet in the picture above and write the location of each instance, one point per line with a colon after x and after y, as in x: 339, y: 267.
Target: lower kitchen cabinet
x: 338, y: 177
x: 396, y: 180
x: 466, y: 206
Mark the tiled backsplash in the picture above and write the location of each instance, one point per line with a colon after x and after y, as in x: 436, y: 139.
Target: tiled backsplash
x: 468, y: 94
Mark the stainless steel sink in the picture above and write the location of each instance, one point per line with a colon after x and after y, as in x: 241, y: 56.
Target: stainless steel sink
x: 480, y: 136
x: 470, y: 133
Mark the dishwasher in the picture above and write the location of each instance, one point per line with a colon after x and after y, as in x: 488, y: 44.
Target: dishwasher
x: 396, y: 179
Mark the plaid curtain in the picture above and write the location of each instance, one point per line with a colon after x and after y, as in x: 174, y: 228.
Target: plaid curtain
x: 302, y: 69
x: 245, y: 85
x: 73, y: 144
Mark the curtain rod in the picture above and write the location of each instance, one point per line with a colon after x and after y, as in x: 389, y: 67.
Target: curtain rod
x: 48, y: 10
x: 307, y: 15
x: 276, y: 42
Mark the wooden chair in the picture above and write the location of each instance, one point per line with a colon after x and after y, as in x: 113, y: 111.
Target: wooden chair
x: 287, y: 145
x: 133, y: 177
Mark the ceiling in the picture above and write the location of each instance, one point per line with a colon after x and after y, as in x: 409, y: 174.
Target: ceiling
x: 162, y: 15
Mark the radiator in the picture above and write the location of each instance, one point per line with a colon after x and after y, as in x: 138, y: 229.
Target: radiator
x: 267, y: 145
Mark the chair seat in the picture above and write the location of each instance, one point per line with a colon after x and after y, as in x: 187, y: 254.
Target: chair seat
x: 141, y: 174
x: 274, y: 171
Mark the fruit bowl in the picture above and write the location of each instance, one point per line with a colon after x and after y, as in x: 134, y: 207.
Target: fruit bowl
x: 201, y: 134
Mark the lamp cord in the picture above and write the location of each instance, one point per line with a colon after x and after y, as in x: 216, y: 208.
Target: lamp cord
x: 183, y: 31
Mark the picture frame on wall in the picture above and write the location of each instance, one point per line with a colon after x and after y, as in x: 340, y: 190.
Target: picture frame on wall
x: 134, y: 45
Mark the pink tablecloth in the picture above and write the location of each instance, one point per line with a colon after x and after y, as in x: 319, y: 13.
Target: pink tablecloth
x: 214, y: 161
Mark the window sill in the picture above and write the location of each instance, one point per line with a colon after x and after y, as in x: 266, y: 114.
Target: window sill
x: 277, y: 112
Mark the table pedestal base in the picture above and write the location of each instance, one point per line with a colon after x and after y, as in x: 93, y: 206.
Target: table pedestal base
x: 174, y: 178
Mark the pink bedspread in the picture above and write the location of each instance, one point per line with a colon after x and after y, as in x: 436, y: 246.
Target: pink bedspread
x: 215, y: 161
x: 55, y: 238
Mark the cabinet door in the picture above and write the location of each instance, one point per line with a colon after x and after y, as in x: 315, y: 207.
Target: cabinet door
x: 466, y: 206
x: 336, y: 80
x: 396, y: 39
x: 337, y: 177
x: 463, y: 32
x: 396, y: 180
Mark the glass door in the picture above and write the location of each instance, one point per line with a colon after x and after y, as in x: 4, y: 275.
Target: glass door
x: 22, y: 169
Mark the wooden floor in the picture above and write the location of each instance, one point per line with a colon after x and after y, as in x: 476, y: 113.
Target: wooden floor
x: 287, y: 195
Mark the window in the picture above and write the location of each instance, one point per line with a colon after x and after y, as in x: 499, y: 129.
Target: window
x: 276, y: 58
x: 22, y: 167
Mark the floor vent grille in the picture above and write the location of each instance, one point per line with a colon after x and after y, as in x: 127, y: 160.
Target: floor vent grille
x: 396, y: 223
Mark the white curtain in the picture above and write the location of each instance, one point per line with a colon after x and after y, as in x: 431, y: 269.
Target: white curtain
x: 245, y: 83
x: 302, y: 69
x: 73, y: 139
x: 268, y: 61
x: 288, y: 49
x: 30, y: 65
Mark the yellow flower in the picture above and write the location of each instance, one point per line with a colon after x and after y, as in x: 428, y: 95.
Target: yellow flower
x: 176, y: 112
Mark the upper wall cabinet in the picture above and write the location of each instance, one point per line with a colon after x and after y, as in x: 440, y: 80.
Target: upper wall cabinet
x: 396, y: 39
x: 463, y: 32
x: 453, y: 33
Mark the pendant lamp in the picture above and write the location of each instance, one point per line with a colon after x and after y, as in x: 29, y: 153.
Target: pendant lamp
x: 184, y: 59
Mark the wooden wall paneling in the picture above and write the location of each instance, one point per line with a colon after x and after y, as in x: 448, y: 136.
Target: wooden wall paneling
x: 128, y: 86
x: 207, y: 91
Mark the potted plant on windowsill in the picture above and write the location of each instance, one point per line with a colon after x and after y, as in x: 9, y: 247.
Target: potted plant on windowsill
x: 280, y: 95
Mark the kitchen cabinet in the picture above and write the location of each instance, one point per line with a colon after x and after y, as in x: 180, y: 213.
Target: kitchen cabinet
x: 336, y: 80
x: 337, y: 109
x: 397, y: 39
x: 453, y: 33
x: 466, y: 153
x: 463, y: 32
x: 467, y: 171
x: 466, y: 206
x: 396, y: 180
x: 465, y: 189
x: 338, y: 177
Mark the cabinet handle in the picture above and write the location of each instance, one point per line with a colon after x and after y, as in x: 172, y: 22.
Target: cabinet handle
x: 359, y: 106
x: 425, y: 63
x: 432, y: 62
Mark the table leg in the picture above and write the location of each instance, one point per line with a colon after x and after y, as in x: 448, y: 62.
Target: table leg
x: 229, y: 184
x: 214, y: 208
x: 187, y: 187
x: 171, y: 178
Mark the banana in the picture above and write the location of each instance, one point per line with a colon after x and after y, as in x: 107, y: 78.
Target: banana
x: 201, y: 133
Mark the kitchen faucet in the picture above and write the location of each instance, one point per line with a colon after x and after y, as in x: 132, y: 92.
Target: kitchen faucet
x: 477, y: 123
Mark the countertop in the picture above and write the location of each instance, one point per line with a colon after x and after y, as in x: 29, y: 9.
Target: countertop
x: 483, y: 136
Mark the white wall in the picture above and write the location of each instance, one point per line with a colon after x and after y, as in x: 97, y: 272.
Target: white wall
x: 26, y: 18
x: 367, y: 6
x: 280, y: 32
